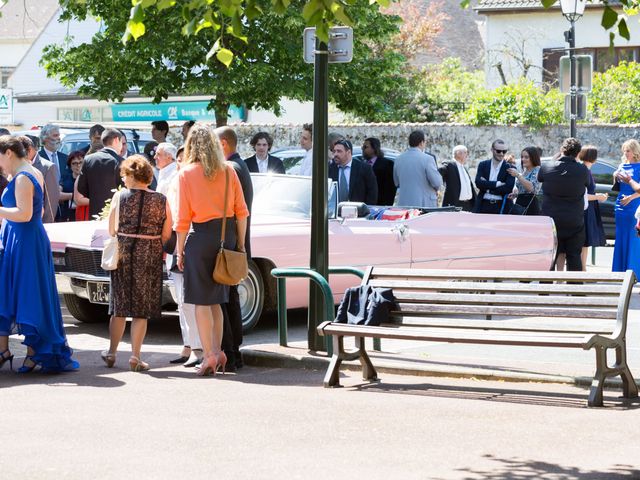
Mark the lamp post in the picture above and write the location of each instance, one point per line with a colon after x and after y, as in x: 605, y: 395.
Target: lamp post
x: 572, y: 11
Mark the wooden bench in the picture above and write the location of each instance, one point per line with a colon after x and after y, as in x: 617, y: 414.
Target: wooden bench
x: 528, y: 309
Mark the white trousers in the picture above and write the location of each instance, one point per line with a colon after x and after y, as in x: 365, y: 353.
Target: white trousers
x: 187, y: 312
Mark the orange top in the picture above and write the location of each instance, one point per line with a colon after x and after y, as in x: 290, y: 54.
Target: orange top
x: 200, y: 198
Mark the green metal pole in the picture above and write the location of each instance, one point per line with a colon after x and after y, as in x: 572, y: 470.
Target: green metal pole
x: 319, y: 259
x: 282, y: 311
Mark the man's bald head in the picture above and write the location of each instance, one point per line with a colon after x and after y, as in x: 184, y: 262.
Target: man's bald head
x: 228, y: 139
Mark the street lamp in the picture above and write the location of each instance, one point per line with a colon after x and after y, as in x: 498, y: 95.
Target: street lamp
x: 572, y: 11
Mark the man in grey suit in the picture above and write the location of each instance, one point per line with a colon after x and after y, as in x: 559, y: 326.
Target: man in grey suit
x: 416, y: 175
x: 50, y: 173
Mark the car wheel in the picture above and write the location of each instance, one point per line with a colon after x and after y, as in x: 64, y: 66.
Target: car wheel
x: 251, y: 293
x: 85, y: 311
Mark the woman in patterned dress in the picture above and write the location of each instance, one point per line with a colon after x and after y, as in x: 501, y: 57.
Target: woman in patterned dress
x: 136, y: 285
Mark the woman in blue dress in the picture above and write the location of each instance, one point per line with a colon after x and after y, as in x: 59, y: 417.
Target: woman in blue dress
x: 29, y: 303
x: 593, y: 228
x: 626, y: 253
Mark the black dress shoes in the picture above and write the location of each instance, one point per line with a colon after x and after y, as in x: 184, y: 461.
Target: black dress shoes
x: 179, y: 360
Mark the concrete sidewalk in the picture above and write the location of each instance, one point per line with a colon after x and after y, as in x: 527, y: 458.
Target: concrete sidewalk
x: 505, y: 363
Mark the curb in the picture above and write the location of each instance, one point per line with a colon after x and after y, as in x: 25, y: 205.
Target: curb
x: 269, y: 359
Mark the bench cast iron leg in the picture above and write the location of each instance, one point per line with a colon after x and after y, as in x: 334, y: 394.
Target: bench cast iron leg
x: 597, y: 385
x: 629, y: 387
x: 332, y: 377
x: 368, y: 371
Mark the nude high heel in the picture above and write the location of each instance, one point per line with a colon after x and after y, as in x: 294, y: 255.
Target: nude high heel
x: 222, y: 362
x: 208, y: 366
x: 108, y: 358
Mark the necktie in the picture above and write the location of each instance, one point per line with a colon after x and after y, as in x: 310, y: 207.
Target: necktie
x: 343, y: 188
x: 54, y: 158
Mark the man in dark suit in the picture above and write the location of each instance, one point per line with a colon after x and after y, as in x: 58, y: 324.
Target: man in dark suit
x: 50, y: 141
x: 564, y: 183
x: 493, y: 181
x: 50, y: 174
x: 382, y: 169
x: 356, y: 180
x: 459, y: 190
x: 101, y: 171
x: 232, y: 332
x: 262, y: 161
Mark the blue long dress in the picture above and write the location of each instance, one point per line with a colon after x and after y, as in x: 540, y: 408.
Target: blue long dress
x: 29, y: 303
x: 626, y: 253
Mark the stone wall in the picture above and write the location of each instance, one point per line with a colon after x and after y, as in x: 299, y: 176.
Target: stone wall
x: 441, y: 138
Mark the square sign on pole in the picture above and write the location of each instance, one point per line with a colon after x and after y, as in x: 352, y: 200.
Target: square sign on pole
x: 581, y: 112
x: 6, y: 106
x: 340, y: 44
x: 584, y: 73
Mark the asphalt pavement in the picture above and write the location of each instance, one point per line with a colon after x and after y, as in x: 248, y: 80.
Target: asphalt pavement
x: 268, y: 422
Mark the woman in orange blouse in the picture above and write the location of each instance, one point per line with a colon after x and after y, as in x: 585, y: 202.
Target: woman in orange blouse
x: 201, y: 183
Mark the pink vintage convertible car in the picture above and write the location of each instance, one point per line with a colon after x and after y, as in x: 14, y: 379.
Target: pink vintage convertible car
x: 280, y: 238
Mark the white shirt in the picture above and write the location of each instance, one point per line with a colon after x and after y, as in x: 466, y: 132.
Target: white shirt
x: 306, y: 167
x: 493, y: 177
x: 263, y: 165
x: 165, y: 177
x: 465, y: 183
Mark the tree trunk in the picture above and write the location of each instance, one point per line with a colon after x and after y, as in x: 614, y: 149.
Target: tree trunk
x: 221, y: 109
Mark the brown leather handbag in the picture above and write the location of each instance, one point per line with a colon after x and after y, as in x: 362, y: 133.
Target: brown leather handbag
x: 231, y: 266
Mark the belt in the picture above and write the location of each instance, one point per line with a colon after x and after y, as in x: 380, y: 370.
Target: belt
x: 493, y: 201
x: 144, y: 237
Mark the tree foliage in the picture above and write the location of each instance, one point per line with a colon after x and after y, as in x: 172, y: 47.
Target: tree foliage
x: 615, y: 93
x: 521, y: 102
x: 441, y: 91
x: 266, y: 65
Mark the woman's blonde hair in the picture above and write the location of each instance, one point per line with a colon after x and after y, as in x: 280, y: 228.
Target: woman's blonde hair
x: 202, y: 146
x: 634, y: 146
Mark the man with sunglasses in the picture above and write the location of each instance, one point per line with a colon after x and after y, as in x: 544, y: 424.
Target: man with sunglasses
x: 493, y: 181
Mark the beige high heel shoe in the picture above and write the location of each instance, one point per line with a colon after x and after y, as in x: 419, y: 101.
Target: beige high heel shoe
x: 137, y: 365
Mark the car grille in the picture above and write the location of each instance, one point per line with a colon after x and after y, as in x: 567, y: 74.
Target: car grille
x: 88, y: 262
x: 84, y: 261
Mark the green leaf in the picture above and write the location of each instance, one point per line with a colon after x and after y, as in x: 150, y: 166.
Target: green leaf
x: 190, y: 27
x: 164, y: 4
x: 464, y: 4
x: 214, y: 49
x: 623, y: 29
x: 135, y: 29
x: 147, y: 3
x: 310, y: 9
x: 548, y: 3
x: 612, y: 37
x: 225, y: 56
x: 609, y: 17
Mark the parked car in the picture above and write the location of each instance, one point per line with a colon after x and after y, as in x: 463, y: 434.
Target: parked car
x: 292, y: 156
x: 78, y: 138
x: 280, y: 237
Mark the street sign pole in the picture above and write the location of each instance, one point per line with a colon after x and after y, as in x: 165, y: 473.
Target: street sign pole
x: 319, y: 259
x: 574, y: 88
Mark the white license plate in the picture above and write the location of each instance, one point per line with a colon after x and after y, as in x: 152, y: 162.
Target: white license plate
x: 98, y: 292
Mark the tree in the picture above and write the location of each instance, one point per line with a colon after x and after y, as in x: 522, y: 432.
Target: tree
x: 266, y: 65
x: 614, y: 97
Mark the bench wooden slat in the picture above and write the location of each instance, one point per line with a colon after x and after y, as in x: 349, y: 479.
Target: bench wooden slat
x: 494, y: 299
x: 379, y: 272
x: 556, y: 289
x: 441, y: 335
x: 603, y: 328
x: 522, y: 311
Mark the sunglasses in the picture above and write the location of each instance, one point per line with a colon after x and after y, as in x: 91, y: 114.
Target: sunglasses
x: 76, y: 163
x: 500, y: 151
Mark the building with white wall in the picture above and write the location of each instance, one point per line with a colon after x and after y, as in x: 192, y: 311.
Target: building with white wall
x: 521, y: 33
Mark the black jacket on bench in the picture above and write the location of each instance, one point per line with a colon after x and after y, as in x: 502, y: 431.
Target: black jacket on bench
x: 365, y: 305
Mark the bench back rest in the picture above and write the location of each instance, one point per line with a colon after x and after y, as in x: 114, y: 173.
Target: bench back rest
x: 586, y: 302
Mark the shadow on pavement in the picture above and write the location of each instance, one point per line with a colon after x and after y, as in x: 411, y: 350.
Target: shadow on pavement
x: 491, y: 394
x: 519, y: 469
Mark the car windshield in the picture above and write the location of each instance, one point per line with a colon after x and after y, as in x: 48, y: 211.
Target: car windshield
x: 286, y: 195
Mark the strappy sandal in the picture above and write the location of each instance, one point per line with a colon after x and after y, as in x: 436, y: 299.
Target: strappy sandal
x: 108, y: 358
x: 4, y: 359
x: 137, y: 365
